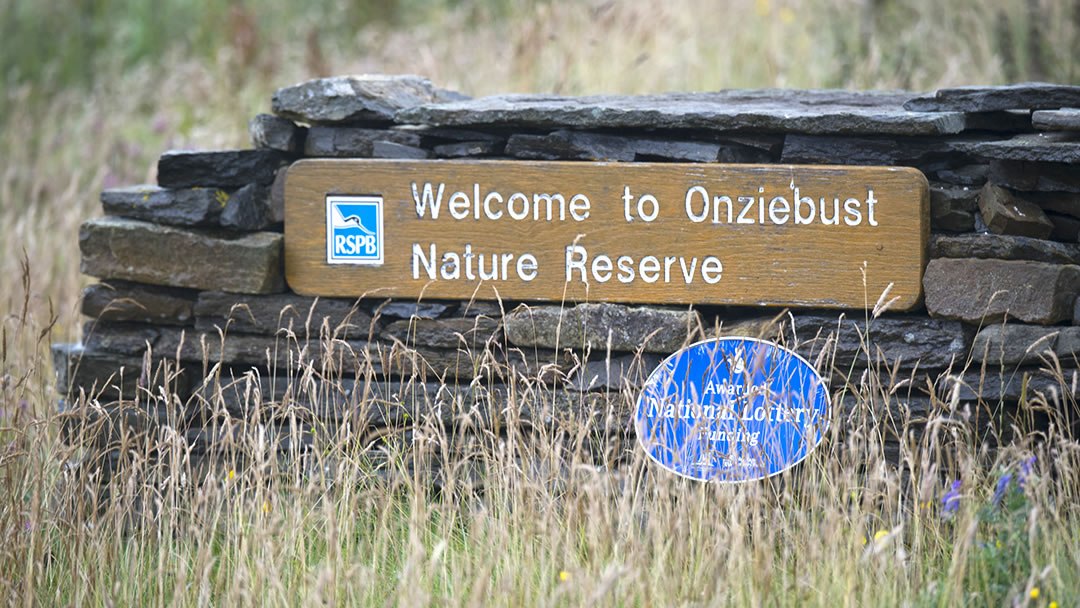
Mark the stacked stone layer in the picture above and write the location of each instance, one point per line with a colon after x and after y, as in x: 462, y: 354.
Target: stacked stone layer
x: 192, y: 296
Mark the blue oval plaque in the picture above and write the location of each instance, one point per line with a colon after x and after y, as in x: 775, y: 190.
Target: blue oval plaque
x: 731, y: 410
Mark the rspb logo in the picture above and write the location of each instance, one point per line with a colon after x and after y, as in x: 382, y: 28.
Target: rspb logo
x: 354, y: 230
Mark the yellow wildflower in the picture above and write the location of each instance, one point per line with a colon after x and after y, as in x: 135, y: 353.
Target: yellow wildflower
x: 266, y: 506
x: 1034, y: 593
x: 880, y: 534
x: 1053, y: 605
x: 232, y: 473
x: 563, y: 575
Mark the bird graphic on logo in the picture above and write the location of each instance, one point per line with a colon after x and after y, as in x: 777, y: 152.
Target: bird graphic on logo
x: 345, y: 221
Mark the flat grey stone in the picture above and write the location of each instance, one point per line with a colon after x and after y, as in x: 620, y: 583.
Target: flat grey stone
x: 1024, y: 96
x: 277, y: 196
x: 266, y: 314
x: 766, y: 110
x: 1067, y: 346
x: 467, y: 333
x: 249, y: 209
x: 1003, y: 247
x: 126, y: 301
x: 379, y: 403
x: 389, y: 149
x: 1035, y: 177
x: 110, y: 377
x: 438, y: 134
x: 1005, y: 213
x: 976, y: 291
x: 581, y: 145
x: 114, y: 248
x: 467, y: 149
x: 228, y: 169
x: 181, y: 207
x: 121, y: 338
x: 353, y: 141
x: 1065, y: 119
x: 571, y: 145
x: 276, y: 133
x: 952, y: 208
x: 1012, y: 344
x: 277, y: 354
x: 614, y: 373
x: 406, y: 310
x: 89, y: 425
x: 964, y: 175
x: 1035, y: 147
x: 1013, y: 385
x: 877, y: 150
x: 901, y: 340
x: 595, y: 326
x: 356, y: 99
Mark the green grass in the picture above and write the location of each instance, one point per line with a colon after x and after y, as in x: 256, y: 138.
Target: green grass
x: 94, y: 91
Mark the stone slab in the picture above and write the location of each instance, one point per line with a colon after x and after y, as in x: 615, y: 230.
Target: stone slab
x: 228, y: 169
x: 963, y: 175
x: 891, y: 341
x: 1065, y: 119
x: 181, y: 207
x: 1003, y: 247
x: 1035, y: 147
x: 765, y: 110
x: 1014, y: 344
x: 115, y: 248
x: 467, y: 333
x: 267, y: 314
x: 1035, y: 177
x: 996, y: 386
x: 249, y: 209
x: 403, y: 309
x: 581, y: 145
x: 276, y: 133
x: 356, y: 99
x: 623, y: 372
x: 126, y: 301
x: 467, y: 149
x: 1023, y: 96
x: 341, y: 142
x: 879, y: 150
x: 1005, y: 213
x: 977, y: 291
x: 389, y: 149
x: 109, y: 377
x: 600, y: 326
x: 952, y: 208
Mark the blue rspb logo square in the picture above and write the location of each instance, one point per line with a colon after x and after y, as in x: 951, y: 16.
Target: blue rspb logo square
x: 354, y: 230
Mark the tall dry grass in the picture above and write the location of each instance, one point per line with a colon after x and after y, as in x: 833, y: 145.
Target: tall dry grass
x: 533, y: 515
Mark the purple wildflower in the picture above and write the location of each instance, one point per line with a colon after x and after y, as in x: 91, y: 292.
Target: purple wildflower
x: 1025, y: 472
x: 950, y: 502
x: 1002, y: 487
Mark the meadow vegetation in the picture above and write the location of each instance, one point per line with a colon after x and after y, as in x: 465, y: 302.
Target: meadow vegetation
x: 92, y: 92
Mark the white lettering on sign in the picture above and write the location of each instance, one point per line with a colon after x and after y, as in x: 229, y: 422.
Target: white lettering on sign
x: 539, y: 206
x: 699, y: 206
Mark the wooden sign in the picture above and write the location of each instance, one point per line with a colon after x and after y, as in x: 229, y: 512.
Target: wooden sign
x: 819, y: 236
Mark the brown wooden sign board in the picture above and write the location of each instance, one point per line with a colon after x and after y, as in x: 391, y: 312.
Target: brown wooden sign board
x: 818, y: 236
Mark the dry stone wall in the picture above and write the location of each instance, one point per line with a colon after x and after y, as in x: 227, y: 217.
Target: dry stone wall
x: 191, y: 301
